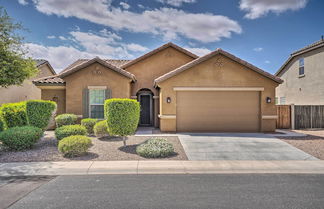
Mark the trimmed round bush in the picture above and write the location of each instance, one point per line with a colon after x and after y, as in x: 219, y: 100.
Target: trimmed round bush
x: 14, y: 114
x: 101, y: 129
x: 70, y: 130
x: 21, y: 138
x: 39, y: 112
x: 122, y: 116
x: 155, y: 148
x: 74, y: 146
x: 65, y: 119
x: 89, y: 123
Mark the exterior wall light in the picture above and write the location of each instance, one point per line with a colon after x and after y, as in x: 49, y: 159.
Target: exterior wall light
x: 168, y: 100
x: 268, y: 100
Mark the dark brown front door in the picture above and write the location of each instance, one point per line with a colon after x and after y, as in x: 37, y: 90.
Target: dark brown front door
x: 145, y: 101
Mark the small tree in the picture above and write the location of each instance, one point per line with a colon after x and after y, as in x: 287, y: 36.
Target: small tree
x: 122, y: 117
x: 14, y: 66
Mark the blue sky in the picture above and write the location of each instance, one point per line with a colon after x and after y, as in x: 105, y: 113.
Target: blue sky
x: 262, y: 32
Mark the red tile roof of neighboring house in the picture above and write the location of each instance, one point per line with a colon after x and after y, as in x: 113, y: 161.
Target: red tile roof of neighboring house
x: 206, y: 57
x: 308, y: 48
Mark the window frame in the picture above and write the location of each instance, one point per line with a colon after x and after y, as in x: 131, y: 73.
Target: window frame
x: 301, y: 65
x: 90, y: 88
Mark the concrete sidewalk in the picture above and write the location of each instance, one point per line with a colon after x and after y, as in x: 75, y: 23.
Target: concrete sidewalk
x: 159, y: 167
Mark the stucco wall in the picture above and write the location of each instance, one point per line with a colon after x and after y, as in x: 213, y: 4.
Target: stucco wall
x: 49, y: 94
x: 25, y: 92
x: 207, y: 74
x: 154, y: 66
x: 93, y: 75
x: 307, y: 90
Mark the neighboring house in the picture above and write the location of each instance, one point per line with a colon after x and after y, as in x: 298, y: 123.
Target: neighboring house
x: 177, y: 90
x: 303, y: 75
x: 27, y: 90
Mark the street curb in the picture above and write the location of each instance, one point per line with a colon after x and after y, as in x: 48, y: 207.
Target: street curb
x: 160, y: 167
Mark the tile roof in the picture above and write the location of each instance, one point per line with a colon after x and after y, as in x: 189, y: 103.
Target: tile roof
x: 81, y: 63
x: 40, y: 62
x: 206, y: 57
x: 308, y: 48
x: 170, y: 44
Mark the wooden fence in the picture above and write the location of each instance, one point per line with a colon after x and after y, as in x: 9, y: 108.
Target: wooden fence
x: 300, y: 116
x: 284, y: 116
x: 309, y: 116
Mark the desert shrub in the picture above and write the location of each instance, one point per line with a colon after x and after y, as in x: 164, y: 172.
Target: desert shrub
x: 122, y: 116
x: 39, y: 112
x: 21, y: 138
x: 89, y: 123
x: 14, y: 114
x: 101, y: 129
x: 154, y: 148
x: 74, y: 146
x: 65, y: 119
x: 70, y: 130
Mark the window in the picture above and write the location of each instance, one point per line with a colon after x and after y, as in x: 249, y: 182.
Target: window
x: 282, y: 100
x: 301, y: 66
x: 96, y: 103
x: 276, y: 100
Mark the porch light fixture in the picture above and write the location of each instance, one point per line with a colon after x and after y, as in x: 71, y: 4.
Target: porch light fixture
x: 268, y: 100
x: 168, y: 100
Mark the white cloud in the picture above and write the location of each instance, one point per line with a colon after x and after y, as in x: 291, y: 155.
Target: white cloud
x: 124, y: 5
x: 22, y: 2
x: 258, y: 49
x: 167, y: 22
x: 267, y: 62
x: 51, y: 37
x: 62, y: 38
x: 141, y: 6
x: 198, y: 51
x: 259, y: 8
x: 136, y: 47
x: 176, y: 3
x: 104, y: 44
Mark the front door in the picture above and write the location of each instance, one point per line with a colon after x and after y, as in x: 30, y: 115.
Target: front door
x: 146, y: 109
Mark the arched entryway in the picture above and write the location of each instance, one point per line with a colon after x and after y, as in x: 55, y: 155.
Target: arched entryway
x: 145, y: 98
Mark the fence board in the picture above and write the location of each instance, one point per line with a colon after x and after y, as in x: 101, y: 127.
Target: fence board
x: 284, y: 116
x: 309, y: 116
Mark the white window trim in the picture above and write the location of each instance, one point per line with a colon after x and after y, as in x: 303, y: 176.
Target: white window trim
x: 97, y: 87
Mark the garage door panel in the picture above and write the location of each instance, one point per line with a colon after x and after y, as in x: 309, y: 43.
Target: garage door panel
x: 218, y: 111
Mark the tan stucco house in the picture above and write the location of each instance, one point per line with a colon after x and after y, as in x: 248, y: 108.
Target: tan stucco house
x: 177, y: 90
x: 27, y: 90
x: 303, y: 75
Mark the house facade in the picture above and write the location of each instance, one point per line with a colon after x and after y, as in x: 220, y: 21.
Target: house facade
x: 177, y: 90
x: 27, y: 90
x: 303, y: 75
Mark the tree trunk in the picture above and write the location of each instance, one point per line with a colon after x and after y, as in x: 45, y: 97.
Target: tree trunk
x: 124, y: 141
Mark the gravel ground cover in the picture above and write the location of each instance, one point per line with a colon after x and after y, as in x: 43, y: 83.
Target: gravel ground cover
x: 107, y: 148
x: 312, y: 144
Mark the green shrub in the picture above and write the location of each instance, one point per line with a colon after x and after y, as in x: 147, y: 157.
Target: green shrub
x: 1, y: 124
x: 14, y: 114
x: 66, y: 119
x: 89, y: 123
x: 101, y: 129
x: 122, y: 116
x: 154, y: 148
x: 70, y: 130
x: 74, y: 146
x: 20, y: 138
x: 39, y: 112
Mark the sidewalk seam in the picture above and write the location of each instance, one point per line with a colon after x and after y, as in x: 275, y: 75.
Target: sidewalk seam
x: 89, y: 167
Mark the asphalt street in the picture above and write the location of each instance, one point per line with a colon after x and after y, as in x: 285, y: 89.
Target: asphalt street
x: 273, y: 191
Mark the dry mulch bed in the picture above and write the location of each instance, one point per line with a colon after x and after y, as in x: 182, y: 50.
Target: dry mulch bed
x: 312, y: 144
x: 106, y: 148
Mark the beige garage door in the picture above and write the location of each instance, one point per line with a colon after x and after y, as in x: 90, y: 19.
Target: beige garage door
x: 218, y: 111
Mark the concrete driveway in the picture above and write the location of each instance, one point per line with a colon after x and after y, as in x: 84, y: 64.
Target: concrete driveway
x: 239, y: 146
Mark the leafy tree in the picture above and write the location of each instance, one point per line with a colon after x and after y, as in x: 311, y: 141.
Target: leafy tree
x: 15, y: 67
